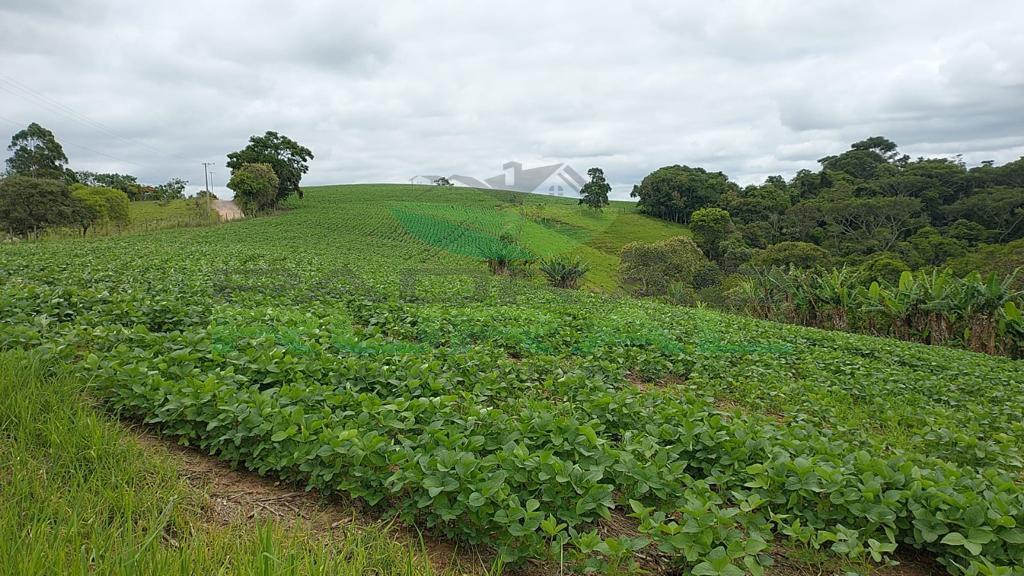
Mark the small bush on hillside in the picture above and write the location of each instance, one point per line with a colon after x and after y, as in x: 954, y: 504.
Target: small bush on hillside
x: 29, y: 205
x: 649, y: 269
x: 255, y: 187
x: 96, y: 205
x: 563, y: 272
x: 504, y: 255
x: 682, y: 294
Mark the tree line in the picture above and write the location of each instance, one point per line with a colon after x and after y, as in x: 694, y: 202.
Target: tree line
x: 870, y: 203
x: 39, y: 191
x: 864, y: 237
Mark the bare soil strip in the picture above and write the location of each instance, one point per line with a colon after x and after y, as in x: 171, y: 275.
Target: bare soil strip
x: 228, y: 210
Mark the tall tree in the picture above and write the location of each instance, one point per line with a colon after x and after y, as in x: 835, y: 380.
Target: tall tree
x: 674, y: 192
x: 595, y: 192
x: 866, y: 159
x: 285, y: 156
x: 1000, y: 209
x: 710, y: 226
x: 174, y: 189
x: 37, y: 154
x: 871, y: 224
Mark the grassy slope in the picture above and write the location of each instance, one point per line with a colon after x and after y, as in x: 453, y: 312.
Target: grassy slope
x: 545, y: 225
x: 80, y: 496
x: 147, y: 216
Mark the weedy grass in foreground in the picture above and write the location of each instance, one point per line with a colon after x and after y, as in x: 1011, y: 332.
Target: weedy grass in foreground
x: 80, y: 496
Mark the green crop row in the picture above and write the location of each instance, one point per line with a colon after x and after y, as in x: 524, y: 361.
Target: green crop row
x: 532, y: 420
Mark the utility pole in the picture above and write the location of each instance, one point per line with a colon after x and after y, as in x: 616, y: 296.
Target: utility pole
x: 206, y: 177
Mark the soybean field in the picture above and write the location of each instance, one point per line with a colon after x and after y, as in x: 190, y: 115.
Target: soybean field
x: 357, y: 344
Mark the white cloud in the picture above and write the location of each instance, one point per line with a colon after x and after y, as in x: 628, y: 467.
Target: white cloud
x: 382, y: 91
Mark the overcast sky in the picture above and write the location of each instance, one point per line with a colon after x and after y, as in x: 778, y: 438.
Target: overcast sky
x: 382, y: 91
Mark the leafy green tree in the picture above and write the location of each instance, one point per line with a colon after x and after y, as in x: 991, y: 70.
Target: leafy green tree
x: 99, y: 205
x: 970, y: 232
x: 255, y: 187
x: 443, y: 181
x: 710, y: 226
x: 948, y: 175
x: 735, y: 252
x: 756, y: 203
x: 173, y: 189
x: 864, y: 159
x: 806, y: 184
x: 285, y: 156
x: 37, y: 154
x: 988, y: 175
x: 764, y: 233
x: 870, y: 224
x: 595, y: 192
x: 650, y: 269
x: 804, y: 222
x: 929, y: 248
x: 1000, y: 209
x: 799, y: 254
x: 84, y: 212
x: 29, y: 205
x: 124, y: 182
x: 674, y: 192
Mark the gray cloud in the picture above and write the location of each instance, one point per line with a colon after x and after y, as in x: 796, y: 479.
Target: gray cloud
x: 383, y: 91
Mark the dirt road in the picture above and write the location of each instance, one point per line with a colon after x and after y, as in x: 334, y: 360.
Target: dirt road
x: 228, y: 210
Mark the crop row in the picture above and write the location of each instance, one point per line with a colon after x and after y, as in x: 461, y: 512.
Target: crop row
x: 374, y: 398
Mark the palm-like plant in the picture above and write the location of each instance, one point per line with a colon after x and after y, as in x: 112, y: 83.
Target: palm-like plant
x: 563, y: 272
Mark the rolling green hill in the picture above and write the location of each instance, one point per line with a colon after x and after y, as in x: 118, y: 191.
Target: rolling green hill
x: 356, y: 344
x: 455, y: 220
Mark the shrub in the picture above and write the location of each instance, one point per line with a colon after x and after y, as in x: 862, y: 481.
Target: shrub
x: 99, y: 205
x: 563, y: 272
x: 255, y: 187
x: 651, y: 268
x: 799, y: 254
x: 708, y: 276
x: 884, y: 266
x: 29, y: 205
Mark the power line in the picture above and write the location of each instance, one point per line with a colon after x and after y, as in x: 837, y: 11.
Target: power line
x: 76, y: 145
x: 23, y: 91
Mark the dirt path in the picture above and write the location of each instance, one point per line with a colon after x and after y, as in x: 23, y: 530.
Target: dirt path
x: 238, y: 496
x: 228, y: 210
